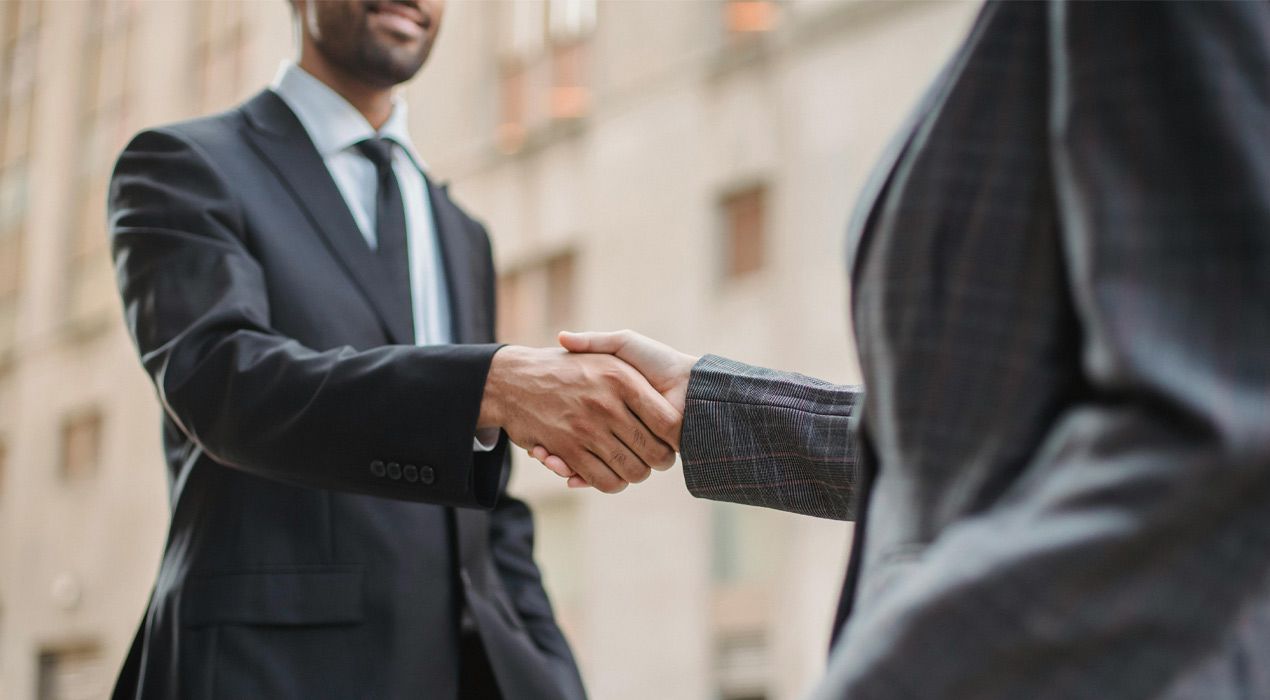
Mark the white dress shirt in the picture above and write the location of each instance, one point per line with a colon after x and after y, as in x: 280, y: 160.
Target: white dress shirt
x: 336, y: 127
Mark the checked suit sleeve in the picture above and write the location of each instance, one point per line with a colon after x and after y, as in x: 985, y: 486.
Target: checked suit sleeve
x: 1124, y: 560
x: 766, y: 438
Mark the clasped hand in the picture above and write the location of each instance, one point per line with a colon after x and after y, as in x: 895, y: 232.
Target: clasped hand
x: 603, y: 412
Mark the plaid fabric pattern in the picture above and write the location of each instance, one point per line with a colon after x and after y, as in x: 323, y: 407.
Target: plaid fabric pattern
x: 772, y: 439
x: 1062, y: 301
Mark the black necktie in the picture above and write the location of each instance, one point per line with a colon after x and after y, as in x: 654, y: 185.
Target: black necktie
x: 390, y: 224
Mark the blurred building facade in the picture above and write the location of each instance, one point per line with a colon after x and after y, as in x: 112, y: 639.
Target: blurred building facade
x: 682, y: 167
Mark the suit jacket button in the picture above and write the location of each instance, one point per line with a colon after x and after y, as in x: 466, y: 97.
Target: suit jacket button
x: 377, y: 468
x: 394, y: 471
x: 410, y: 472
x: 427, y: 475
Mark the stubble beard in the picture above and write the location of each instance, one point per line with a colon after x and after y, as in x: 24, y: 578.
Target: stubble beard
x: 371, y: 62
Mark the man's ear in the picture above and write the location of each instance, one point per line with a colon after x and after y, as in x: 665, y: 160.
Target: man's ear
x: 297, y: 20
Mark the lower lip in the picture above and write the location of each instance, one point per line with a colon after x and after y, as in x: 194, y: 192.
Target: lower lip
x: 397, y: 24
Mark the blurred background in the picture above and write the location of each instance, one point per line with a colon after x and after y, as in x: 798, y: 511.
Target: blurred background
x: 681, y: 167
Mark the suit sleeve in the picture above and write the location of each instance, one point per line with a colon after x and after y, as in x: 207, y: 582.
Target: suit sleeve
x: 1138, y: 538
x: 196, y: 304
x: 774, y: 439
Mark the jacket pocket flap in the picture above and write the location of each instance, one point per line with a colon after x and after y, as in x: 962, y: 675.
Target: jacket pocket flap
x: 319, y: 595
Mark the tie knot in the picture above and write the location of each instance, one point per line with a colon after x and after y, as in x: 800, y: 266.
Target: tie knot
x: 378, y: 151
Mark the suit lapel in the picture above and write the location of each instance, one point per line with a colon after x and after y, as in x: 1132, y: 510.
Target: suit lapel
x: 280, y: 138
x: 917, y: 128
x: 861, y: 225
x: 456, y: 256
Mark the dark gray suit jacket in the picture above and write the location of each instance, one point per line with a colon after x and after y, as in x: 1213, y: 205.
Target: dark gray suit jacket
x: 329, y: 517
x: 1061, y: 467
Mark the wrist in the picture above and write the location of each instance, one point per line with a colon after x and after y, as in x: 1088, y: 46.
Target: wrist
x: 497, y: 381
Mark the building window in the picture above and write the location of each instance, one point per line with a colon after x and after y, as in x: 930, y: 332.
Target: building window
x: 543, y: 74
x: 81, y: 444
x: 73, y: 673
x: 570, y: 97
x: 571, y: 23
x: 535, y: 301
x: 742, y: 17
x: 19, y: 39
x: 744, y: 219
x: 104, y: 102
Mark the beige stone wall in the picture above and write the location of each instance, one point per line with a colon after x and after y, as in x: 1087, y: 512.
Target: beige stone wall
x: 662, y: 595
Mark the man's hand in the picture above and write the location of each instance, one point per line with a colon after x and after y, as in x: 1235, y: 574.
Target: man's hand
x: 593, y: 410
x: 665, y: 368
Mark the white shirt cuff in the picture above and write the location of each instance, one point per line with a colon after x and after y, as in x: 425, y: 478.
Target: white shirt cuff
x: 486, y: 440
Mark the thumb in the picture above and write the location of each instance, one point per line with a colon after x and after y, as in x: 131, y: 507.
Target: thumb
x: 610, y: 343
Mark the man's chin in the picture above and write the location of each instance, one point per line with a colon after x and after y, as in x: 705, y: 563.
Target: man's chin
x: 391, y: 66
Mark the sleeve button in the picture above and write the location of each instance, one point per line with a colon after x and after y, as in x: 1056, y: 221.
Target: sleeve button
x: 377, y: 468
x: 410, y: 472
x: 394, y: 471
x: 427, y: 475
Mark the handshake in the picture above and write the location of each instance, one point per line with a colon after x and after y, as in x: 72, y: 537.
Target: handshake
x: 603, y: 412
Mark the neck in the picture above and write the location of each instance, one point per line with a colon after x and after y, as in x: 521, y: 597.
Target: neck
x: 374, y: 103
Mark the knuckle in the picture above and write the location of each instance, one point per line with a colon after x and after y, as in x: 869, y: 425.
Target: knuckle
x: 614, y: 377
x: 580, y: 427
x: 590, y: 402
x: 611, y: 484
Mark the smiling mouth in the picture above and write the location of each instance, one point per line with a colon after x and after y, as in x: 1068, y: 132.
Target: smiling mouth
x: 400, y: 11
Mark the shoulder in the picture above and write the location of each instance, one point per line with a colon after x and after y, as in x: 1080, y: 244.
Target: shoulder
x: 212, y: 134
x: 446, y: 203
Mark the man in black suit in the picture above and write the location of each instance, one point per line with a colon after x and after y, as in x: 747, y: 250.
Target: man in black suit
x: 318, y: 320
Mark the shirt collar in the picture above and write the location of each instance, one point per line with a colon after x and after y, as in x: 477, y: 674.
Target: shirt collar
x: 331, y: 122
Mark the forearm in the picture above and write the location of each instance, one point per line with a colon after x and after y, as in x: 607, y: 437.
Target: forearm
x: 772, y: 439
x: 337, y: 419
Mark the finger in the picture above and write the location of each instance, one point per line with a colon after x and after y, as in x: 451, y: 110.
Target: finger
x: 610, y: 342
x: 577, y: 482
x: 651, y: 449
x: 551, y: 461
x: 558, y: 466
x: 596, y: 472
x: 656, y: 414
x: 623, y: 460
x: 555, y: 464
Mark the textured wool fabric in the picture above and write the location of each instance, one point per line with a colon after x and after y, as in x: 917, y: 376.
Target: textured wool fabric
x: 1061, y: 296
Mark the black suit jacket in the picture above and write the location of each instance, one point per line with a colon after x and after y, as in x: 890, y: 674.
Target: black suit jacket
x: 315, y: 455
